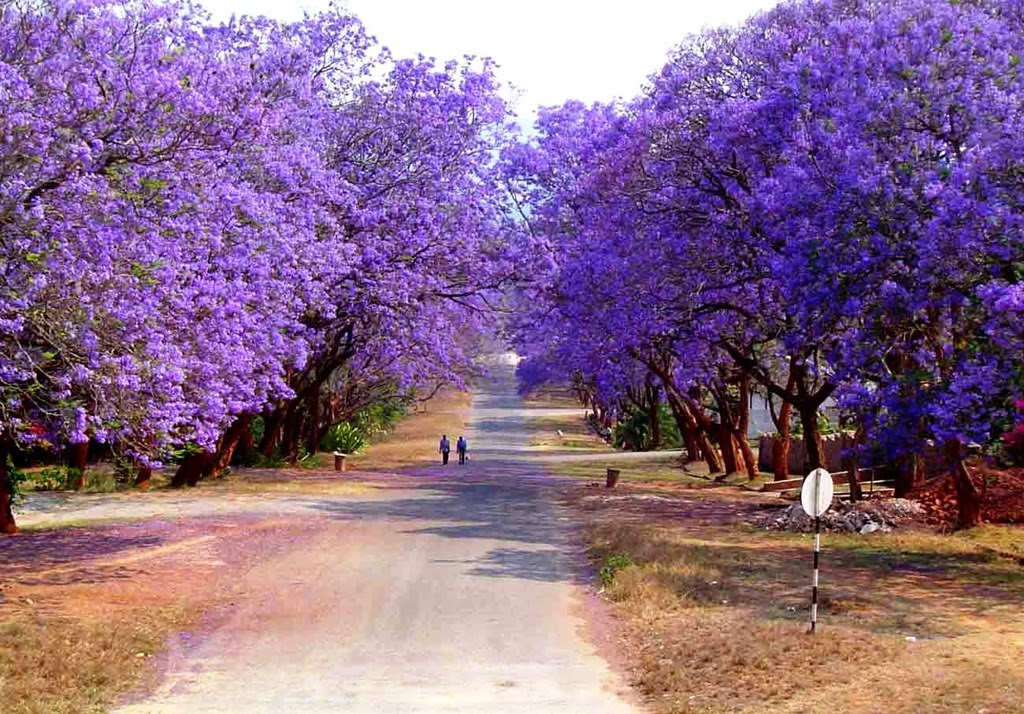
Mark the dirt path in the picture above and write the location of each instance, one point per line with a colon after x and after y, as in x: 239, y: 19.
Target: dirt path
x: 455, y: 592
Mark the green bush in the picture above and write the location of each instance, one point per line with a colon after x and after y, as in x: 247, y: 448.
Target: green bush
x: 380, y: 417
x: 51, y: 478
x: 15, y: 478
x: 308, y: 460
x: 64, y: 478
x: 344, y: 437
x: 634, y: 430
x: 612, y: 565
x: 275, y: 461
x: 98, y: 481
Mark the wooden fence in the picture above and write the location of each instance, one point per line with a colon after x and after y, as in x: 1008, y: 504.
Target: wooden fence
x: 833, y: 445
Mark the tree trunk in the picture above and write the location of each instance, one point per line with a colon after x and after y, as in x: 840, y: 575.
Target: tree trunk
x: 684, y: 415
x: 727, y: 446
x: 748, y: 457
x: 143, y: 476
x: 910, y: 475
x: 687, y: 430
x: 654, y: 417
x: 272, y: 431
x: 853, y: 466
x: 315, y: 422
x: 725, y: 429
x: 780, y: 452
x: 968, y: 497
x: 7, y: 524
x: 229, y: 443
x: 743, y: 428
x: 691, y: 444
x: 192, y: 469
x: 714, y: 461
x: 247, y: 442
x: 78, y: 458
x: 812, y: 437
x: 290, y: 433
x: 692, y: 431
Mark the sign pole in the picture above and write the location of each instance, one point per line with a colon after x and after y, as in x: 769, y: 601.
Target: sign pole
x: 814, y: 586
x: 816, y: 497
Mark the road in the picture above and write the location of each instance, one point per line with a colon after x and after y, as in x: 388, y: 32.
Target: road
x: 459, y: 591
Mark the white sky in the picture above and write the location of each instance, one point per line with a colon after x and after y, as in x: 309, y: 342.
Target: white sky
x: 551, y: 50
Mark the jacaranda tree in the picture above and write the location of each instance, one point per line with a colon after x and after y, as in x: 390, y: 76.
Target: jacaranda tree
x: 821, y: 203
x: 202, y: 223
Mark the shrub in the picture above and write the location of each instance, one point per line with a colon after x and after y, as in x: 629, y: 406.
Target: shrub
x: 380, y: 417
x: 97, y: 481
x: 344, y: 437
x: 51, y: 478
x: 612, y: 565
x: 15, y: 478
x: 308, y: 460
x: 634, y: 430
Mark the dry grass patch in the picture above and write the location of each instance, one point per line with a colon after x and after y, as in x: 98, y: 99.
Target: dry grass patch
x: 576, y: 435
x: 1005, y: 540
x: 284, y: 481
x: 63, y: 665
x: 714, y: 617
x: 414, y: 440
x: 552, y: 397
x: 83, y: 609
x: 718, y: 659
x: 651, y: 468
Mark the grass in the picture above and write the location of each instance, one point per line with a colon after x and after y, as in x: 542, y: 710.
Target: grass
x: 99, y: 478
x: 413, y: 442
x: 60, y: 665
x: 714, y: 614
x: 652, y: 468
x: 552, y: 397
x: 1000, y: 539
x: 576, y: 436
x: 77, y: 633
x: 282, y: 481
x: 664, y: 469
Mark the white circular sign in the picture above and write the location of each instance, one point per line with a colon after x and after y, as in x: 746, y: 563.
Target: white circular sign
x: 816, y: 493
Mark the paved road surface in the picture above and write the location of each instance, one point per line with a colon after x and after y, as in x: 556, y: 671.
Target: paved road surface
x: 457, y: 594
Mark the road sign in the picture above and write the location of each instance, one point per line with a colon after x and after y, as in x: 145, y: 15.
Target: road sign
x: 816, y: 493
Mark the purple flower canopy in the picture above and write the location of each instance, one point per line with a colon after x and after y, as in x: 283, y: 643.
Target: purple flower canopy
x: 826, y: 201
x: 201, y: 221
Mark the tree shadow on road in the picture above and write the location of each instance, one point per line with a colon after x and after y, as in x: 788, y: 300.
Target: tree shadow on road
x: 497, y: 506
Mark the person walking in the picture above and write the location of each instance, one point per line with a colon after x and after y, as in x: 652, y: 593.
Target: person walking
x: 460, y: 447
x: 445, y: 449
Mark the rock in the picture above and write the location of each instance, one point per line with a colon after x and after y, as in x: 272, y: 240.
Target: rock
x: 862, y: 517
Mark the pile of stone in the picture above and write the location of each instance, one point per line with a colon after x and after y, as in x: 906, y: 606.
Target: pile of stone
x: 864, y: 517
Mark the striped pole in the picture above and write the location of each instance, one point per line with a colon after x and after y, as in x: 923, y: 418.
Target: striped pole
x: 814, y: 586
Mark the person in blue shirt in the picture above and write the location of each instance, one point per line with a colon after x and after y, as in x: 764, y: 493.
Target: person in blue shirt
x: 445, y: 449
